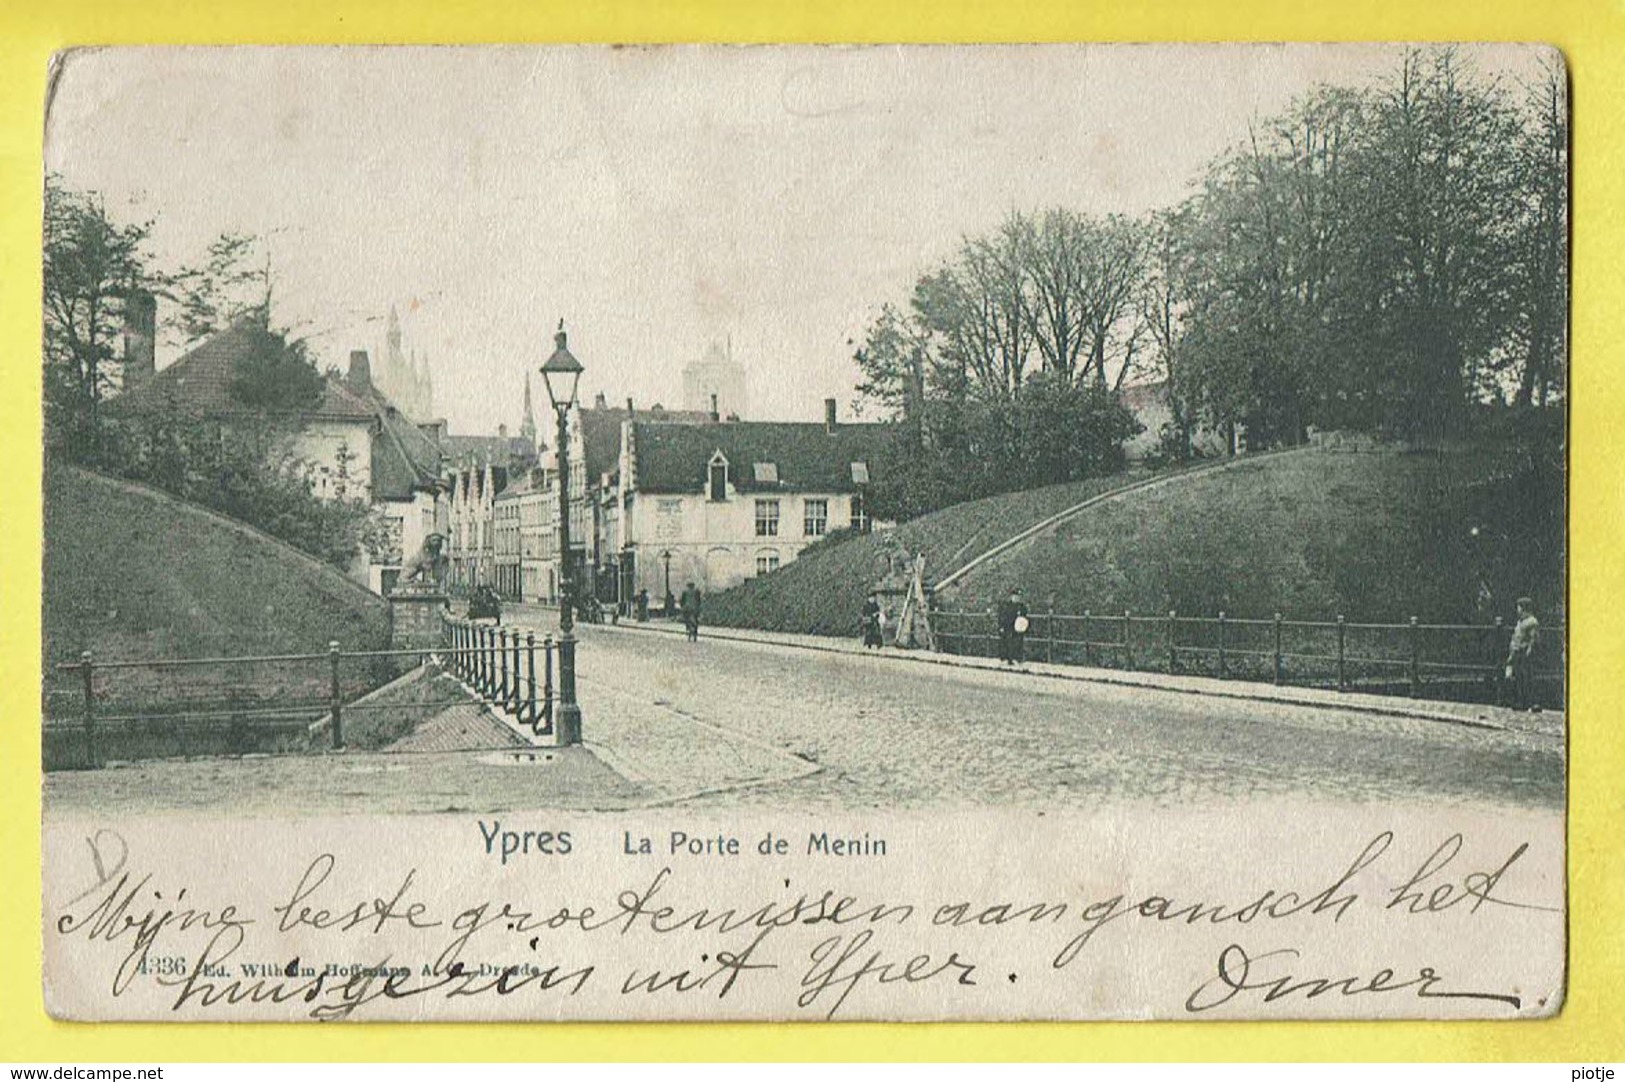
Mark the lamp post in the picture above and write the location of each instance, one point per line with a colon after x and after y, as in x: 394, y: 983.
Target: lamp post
x: 665, y: 602
x: 562, y: 373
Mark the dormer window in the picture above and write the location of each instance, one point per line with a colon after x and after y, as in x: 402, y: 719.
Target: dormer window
x: 716, y: 488
x: 860, y: 473
x: 765, y: 473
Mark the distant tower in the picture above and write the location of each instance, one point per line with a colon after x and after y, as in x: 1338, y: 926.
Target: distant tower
x: 716, y: 378
x: 527, y: 427
x: 425, y: 387
x: 392, y: 335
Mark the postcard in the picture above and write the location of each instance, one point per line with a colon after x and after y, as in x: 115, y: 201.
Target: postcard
x: 805, y: 533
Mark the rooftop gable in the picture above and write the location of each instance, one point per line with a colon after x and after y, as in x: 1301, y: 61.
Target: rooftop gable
x: 806, y: 457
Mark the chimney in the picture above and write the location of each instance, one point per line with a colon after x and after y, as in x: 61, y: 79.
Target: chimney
x: 630, y: 412
x: 829, y: 415
x: 140, y: 331
x: 360, y: 370
x: 600, y: 403
x: 502, y: 432
x: 714, y: 415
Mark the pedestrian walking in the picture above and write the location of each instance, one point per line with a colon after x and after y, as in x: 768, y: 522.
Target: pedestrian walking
x: 873, y: 622
x: 689, y: 606
x: 643, y: 606
x: 1013, y: 629
x: 1520, y: 668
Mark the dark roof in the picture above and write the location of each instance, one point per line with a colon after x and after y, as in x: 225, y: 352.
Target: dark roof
x: 601, y: 434
x: 200, y: 381
x: 404, y: 459
x: 674, y: 457
x: 486, y: 450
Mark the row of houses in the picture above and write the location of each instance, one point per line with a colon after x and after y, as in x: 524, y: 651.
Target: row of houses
x: 658, y: 498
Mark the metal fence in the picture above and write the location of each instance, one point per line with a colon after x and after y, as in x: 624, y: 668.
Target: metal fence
x: 100, y: 710
x: 500, y: 666
x: 1464, y: 662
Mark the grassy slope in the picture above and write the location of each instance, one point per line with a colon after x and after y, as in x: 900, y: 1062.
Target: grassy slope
x: 1310, y: 534
x: 133, y: 573
x: 822, y: 592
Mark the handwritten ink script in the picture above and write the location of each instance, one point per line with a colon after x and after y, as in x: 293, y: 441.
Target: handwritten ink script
x: 1398, y: 924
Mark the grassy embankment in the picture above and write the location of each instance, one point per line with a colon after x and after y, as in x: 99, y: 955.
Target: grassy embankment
x: 1376, y: 536
x: 822, y: 592
x: 133, y: 573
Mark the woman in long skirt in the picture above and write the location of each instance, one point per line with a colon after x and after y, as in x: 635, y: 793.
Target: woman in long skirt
x: 872, y: 623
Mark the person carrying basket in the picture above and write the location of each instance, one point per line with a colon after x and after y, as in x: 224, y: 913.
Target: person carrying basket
x: 1013, y: 625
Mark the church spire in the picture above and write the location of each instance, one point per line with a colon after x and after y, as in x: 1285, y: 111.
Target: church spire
x: 527, y: 427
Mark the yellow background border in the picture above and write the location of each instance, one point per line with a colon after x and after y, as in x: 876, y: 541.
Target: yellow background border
x: 1591, y: 35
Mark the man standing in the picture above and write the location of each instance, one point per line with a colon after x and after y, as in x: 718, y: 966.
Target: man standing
x: 690, y: 608
x: 872, y: 622
x: 1013, y: 629
x: 1521, y: 656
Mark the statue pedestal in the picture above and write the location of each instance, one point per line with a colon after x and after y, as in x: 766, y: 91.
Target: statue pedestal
x: 414, y: 620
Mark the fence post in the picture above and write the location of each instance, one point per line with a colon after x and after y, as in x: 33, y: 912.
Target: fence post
x: 1416, y: 658
x: 1128, y: 652
x: 994, y: 622
x: 1221, y: 644
x: 485, y: 661
x: 1049, y: 635
x: 1277, y: 648
x: 1088, y: 650
x: 1342, y: 653
x: 530, y: 655
x: 87, y: 666
x: 502, y: 668
x: 1173, y: 635
x: 547, y: 688
x: 338, y: 696
x: 514, y: 692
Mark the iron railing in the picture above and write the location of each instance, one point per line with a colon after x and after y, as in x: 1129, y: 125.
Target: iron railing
x: 1461, y: 661
x: 96, y: 710
x: 500, y: 666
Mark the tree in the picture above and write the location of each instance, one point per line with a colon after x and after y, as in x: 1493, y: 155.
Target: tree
x: 232, y: 282
x: 1543, y: 239
x: 275, y: 376
x: 92, y: 266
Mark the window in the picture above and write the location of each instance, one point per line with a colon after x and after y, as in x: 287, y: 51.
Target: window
x: 765, y: 473
x: 717, y: 486
x: 767, y: 562
x: 815, y: 522
x: 860, y: 514
x: 860, y: 473
x: 767, y: 518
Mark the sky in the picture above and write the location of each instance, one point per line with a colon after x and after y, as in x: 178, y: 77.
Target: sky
x: 657, y: 199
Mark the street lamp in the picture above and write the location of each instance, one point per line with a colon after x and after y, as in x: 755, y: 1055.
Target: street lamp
x: 665, y: 602
x: 562, y: 373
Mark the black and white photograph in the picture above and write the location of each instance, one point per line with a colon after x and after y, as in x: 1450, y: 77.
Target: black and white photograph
x: 888, y: 532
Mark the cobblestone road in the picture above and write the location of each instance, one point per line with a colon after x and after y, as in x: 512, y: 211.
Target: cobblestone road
x: 885, y: 733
